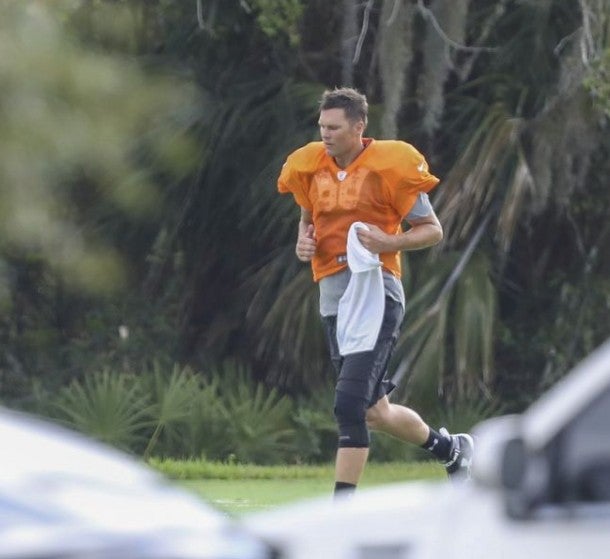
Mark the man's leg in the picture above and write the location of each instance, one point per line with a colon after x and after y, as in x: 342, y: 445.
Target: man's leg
x: 354, y: 440
x: 405, y: 424
x: 359, y: 378
x: 399, y: 421
x: 455, y: 451
x: 350, y: 464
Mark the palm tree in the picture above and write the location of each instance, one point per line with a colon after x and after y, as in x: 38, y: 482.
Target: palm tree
x: 528, y: 141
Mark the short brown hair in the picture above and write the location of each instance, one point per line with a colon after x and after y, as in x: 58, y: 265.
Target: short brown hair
x: 350, y: 100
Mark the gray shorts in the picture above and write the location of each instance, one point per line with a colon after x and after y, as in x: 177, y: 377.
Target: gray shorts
x: 363, y: 374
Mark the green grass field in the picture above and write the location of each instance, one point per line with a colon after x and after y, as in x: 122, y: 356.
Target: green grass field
x: 242, y: 489
x: 239, y: 497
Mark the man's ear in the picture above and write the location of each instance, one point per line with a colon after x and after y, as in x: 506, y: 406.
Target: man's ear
x: 359, y: 127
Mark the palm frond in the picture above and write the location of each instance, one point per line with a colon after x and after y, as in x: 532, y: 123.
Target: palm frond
x: 172, y: 396
x: 452, y: 310
x: 474, y: 320
x: 477, y: 179
x: 108, y: 406
x: 258, y: 426
x: 283, y: 321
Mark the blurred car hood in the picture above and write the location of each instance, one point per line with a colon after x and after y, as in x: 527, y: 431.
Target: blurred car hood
x: 62, y: 493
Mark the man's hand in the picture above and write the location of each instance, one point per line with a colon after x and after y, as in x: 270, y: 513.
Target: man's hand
x: 375, y: 240
x: 306, y: 242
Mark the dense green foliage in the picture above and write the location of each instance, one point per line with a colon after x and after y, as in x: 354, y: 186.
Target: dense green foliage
x: 142, y: 232
x: 220, y: 416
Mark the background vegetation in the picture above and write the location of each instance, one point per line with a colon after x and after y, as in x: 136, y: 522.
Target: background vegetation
x: 149, y: 292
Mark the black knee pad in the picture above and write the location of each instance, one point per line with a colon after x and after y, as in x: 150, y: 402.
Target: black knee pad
x: 350, y: 412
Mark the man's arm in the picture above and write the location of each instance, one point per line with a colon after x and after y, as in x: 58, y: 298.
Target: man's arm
x: 424, y: 232
x: 306, y: 241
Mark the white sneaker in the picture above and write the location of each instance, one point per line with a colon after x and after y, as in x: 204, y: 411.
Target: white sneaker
x: 460, y: 457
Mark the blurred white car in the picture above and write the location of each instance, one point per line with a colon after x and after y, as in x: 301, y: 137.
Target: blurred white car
x: 540, y: 489
x: 63, y: 495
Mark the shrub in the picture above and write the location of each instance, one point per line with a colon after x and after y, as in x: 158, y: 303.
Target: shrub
x: 110, y: 407
x: 172, y: 397
x: 315, y: 430
x: 462, y: 416
x: 258, y: 427
x: 203, y: 431
x: 224, y: 417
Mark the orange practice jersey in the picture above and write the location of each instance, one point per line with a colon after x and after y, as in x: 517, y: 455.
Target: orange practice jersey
x: 379, y: 187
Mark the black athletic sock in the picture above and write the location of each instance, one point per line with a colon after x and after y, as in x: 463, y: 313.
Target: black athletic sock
x: 438, y: 445
x: 344, y: 489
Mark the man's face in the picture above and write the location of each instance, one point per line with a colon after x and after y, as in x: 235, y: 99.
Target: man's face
x: 340, y: 136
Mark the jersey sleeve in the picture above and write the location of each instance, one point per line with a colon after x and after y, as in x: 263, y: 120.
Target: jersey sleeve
x: 292, y: 180
x: 415, y: 179
x: 421, y: 208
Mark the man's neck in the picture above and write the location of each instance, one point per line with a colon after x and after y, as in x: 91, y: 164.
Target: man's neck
x: 343, y: 161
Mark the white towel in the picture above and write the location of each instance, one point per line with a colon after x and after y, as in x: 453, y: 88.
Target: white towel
x: 362, y: 306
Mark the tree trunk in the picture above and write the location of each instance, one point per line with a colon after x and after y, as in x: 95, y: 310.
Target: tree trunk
x: 395, y: 56
x: 451, y: 16
x: 349, y: 36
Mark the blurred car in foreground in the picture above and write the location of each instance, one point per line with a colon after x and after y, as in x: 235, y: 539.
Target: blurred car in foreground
x: 540, y: 488
x: 63, y: 495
